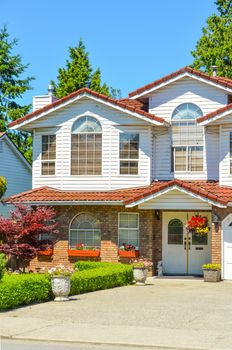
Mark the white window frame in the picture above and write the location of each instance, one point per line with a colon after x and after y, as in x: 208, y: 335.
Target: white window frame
x: 119, y: 228
x: 69, y: 229
x: 50, y: 160
x: 70, y: 144
x: 173, y: 158
x: 128, y: 160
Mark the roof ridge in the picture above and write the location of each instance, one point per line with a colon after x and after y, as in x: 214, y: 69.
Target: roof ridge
x: 226, y: 82
x: 214, y: 113
x: 88, y: 91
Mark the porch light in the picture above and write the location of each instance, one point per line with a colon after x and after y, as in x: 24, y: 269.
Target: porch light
x: 215, y: 221
x: 157, y: 214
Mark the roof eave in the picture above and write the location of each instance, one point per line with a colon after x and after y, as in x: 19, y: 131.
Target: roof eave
x: 57, y: 203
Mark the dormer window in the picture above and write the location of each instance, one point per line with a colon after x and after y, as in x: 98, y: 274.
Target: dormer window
x: 86, y: 147
x: 187, y: 139
x: 48, y: 162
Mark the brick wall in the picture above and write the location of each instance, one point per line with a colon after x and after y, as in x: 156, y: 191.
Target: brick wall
x: 108, y: 217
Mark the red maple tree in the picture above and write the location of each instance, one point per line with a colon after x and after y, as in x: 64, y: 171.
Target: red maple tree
x: 21, y: 233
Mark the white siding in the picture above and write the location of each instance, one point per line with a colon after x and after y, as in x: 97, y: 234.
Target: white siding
x: 164, y: 101
x: 162, y: 158
x: 113, y: 122
x: 17, y: 174
x: 175, y: 200
x: 225, y: 176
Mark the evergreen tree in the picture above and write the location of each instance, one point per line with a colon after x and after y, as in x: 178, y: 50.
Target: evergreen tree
x: 215, y: 45
x: 78, y: 73
x: 12, y: 87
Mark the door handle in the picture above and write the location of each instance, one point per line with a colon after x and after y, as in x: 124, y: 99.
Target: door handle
x: 189, y: 243
x: 185, y: 243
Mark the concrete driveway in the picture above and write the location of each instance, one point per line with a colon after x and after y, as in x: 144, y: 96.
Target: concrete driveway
x: 174, y: 313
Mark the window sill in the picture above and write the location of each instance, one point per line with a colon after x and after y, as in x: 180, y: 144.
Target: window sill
x: 128, y: 253
x: 83, y: 253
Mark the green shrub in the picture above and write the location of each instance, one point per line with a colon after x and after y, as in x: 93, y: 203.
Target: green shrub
x: 16, y: 290
x: 95, y: 276
x: 3, y: 261
x: 211, y: 266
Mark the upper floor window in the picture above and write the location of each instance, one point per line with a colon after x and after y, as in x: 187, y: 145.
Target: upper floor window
x: 187, y: 139
x: 48, y: 159
x: 86, y: 148
x: 129, y: 153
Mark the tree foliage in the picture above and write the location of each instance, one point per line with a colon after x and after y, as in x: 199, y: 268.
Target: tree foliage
x: 21, y: 233
x: 3, y: 186
x: 215, y: 45
x: 78, y: 74
x: 13, y: 84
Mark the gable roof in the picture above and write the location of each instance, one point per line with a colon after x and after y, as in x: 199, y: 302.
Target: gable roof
x: 185, y: 71
x: 123, y: 105
x: 215, y: 115
x: 208, y: 191
x: 3, y: 135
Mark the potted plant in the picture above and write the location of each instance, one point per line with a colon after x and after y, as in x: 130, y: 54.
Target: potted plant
x: 211, y: 272
x: 60, y: 278
x: 81, y: 250
x: 198, y: 224
x: 128, y: 251
x: 140, y: 268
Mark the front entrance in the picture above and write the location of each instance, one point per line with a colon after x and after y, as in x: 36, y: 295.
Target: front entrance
x: 183, y: 253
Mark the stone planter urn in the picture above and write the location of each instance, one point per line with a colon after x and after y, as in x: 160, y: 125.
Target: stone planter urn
x: 61, y: 287
x: 140, y: 275
x: 212, y: 275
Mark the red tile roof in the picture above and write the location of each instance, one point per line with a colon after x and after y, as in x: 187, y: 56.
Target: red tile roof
x: 207, y: 189
x: 225, y: 82
x: 215, y: 113
x: 125, y: 105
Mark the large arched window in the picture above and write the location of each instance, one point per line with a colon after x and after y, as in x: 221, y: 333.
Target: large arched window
x: 86, y: 152
x: 187, y: 139
x: 175, y: 232
x: 85, y: 230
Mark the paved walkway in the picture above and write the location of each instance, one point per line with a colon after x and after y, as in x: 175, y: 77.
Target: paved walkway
x: 166, y: 312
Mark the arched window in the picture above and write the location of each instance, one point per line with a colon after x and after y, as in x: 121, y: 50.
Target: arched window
x: 187, y: 139
x: 85, y: 230
x: 86, y: 152
x: 175, y: 232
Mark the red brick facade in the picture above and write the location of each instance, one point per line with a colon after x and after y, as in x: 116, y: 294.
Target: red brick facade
x: 150, y: 235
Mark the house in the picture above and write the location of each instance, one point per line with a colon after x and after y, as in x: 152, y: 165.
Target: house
x: 15, y: 168
x: 135, y: 171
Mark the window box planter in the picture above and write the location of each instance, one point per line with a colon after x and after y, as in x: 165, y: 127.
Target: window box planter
x: 48, y: 252
x: 128, y: 253
x: 83, y: 253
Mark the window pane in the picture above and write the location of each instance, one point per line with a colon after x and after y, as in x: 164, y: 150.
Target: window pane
x: 86, y: 124
x: 198, y: 239
x: 86, y: 154
x: 128, y: 168
x: 48, y: 168
x: 128, y: 237
x: 175, y: 232
x: 180, y: 158
x: 85, y: 228
x: 129, y: 149
x: 48, y: 147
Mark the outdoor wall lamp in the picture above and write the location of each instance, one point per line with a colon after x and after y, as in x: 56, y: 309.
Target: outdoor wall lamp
x: 157, y: 214
x: 215, y: 221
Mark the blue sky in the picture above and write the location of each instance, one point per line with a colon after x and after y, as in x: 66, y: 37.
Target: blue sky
x: 134, y: 42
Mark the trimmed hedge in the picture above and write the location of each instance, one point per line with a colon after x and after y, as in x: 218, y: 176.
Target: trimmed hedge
x: 2, y: 264
x: 93, y: 276
x: 18, y: 290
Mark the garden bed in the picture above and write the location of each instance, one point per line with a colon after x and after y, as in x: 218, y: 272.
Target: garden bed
x: 17, y: 290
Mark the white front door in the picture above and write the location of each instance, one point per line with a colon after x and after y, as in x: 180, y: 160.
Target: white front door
x: 227, y: 247
x: 183, y: 253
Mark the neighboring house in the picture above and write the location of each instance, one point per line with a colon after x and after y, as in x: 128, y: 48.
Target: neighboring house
x: 135, y: 170
x: 15, y: 168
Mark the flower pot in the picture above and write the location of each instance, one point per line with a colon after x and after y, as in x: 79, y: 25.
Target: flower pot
x: 47, y: 252
x: 91, y: 253
x: 128, y: 253
x: 140, y: 275
x: 212, y: 275
x: 61, y: 287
